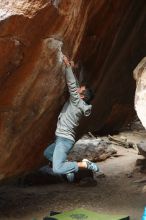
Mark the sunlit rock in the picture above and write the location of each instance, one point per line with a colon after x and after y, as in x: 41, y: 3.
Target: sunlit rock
x: 140, y: 95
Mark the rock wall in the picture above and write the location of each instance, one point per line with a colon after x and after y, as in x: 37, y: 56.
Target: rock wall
x: 115, y: 40
x: 140, y: 94
x: 107, y: 36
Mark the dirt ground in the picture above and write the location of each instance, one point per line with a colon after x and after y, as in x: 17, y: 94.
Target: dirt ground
x: 121, y: 191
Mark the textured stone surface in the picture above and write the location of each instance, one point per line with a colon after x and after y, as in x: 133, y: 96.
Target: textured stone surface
x: 115, y: 44
x: 91, y: 149
x: 139, y: 74
x: 142, y: 149
x: 107, y: 36
x: 140, y: 94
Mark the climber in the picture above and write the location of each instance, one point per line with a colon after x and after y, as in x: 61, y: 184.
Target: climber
x: 77, y: 106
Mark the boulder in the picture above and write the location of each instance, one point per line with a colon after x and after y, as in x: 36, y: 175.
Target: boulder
x: 91, y: 149
x: 142, y: 149
x: 140, y: 94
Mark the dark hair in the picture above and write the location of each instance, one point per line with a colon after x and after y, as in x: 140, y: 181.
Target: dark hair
x: 88, y: 95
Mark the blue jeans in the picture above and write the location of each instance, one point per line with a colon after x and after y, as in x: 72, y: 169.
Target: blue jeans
x: 57, y: 153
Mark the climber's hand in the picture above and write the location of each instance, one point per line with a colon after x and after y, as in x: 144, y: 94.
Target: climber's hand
x: 72, y: 63
x: 66, y: 61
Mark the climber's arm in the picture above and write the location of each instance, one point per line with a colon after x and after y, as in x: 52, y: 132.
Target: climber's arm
x: 71, y: 81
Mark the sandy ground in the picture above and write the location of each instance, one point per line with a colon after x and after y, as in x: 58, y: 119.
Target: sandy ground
x: 117, y: 193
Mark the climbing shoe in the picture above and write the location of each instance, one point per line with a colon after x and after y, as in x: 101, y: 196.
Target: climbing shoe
x: 91, y: 166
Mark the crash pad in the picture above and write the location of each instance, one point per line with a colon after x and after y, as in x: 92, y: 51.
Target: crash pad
x: 83, y: 214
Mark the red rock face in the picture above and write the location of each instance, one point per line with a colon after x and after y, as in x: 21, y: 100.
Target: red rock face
x: 107, y: 36
x: 115, y: 42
